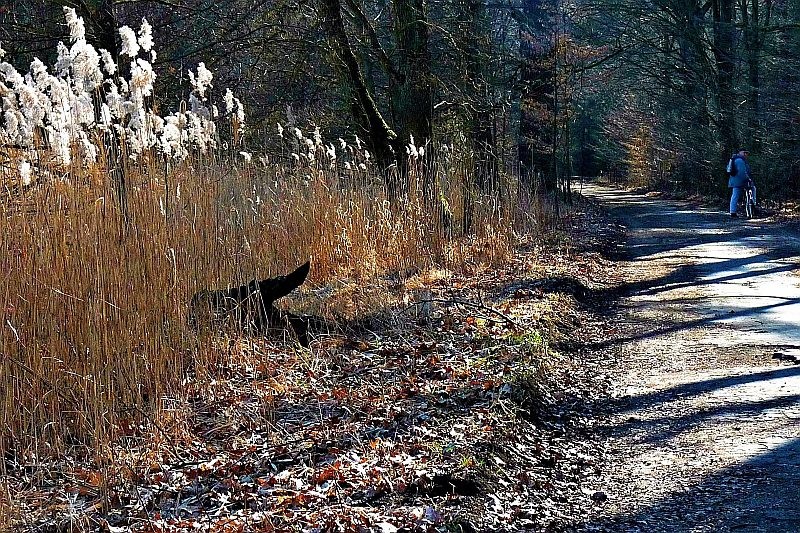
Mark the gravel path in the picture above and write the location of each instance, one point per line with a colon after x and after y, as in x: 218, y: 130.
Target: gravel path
x: 703, y: 431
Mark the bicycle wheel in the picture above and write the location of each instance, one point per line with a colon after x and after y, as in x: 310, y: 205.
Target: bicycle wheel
x: 748, y: 204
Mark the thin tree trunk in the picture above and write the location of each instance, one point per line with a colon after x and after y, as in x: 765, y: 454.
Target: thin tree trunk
x: 535, y: 134
x: 473, y: 17
x: 754, y: 41
x: 411, y: 95
x: 379, y: 135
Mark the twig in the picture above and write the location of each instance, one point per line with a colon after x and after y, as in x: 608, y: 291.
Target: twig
x: 467, y: 304
x: 169, y: 440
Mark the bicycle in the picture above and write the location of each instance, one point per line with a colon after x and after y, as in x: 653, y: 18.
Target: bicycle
x: 749, y: 203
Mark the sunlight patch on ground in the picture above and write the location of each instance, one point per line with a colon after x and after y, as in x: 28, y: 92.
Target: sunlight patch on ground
x: 751, y: 292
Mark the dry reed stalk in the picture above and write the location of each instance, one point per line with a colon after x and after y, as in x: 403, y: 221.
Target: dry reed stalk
x: 94, y: 310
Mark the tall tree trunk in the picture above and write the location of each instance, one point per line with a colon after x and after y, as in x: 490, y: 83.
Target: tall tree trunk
x: 412, y: 99
x: 753, y: 21
x: 723, y: 11
x: 474, y: 19
x: 694, y: 118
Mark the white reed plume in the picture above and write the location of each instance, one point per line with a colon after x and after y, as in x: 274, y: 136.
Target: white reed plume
x: 62, y: 146
x: 63, y: 61
x: 201, y: 132
x: 85, y: 66
x: 64, y: 106
x: 130, y: 46
x: 172, y: 141
x: 10, y: 75
x: 411, y: 148
x: 12, y: 118
x: 317, y: 137
x: 115, y: 101
x: 141, y: 84
x: 105, y: 117
x: 239, y: 114
x: 247, y: 156
x: 146, y: 36
x: 202, y: 81
x: 38, y: 72
x: 21, y: 111
x: 77, y: 30
x: 280, y: 130
x: 228, y: 99
x: 232, y: 104
x: 197, y: 107
x: 25, y: 173
x: 83, y: 109
x: 108, y: 62
x: 88, y: 149
x: 31, y: 103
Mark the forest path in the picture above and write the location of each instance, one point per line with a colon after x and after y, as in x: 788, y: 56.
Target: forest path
x: 703, y: 427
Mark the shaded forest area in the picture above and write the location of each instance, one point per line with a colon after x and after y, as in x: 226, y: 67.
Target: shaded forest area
x: 657, y: 93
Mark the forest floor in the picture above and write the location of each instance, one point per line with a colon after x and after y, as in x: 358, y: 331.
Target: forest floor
x: 635, y: 371
x: 702, y: 425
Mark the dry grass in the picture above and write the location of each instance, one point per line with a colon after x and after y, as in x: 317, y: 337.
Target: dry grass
x: 94, y: 336
x: 7, y: 510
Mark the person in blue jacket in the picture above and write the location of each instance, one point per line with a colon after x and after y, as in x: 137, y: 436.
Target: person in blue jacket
x: 742, y: 178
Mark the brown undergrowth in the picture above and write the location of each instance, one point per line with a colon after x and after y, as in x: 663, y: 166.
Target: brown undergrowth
x: 447, y: 405
x: 93, y: 321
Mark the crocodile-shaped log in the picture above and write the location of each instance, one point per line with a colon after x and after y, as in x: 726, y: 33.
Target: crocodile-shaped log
x: 251, y: 306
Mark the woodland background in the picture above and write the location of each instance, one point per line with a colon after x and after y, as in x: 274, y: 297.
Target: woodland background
x: 420, y: 153
x: 658, y: 92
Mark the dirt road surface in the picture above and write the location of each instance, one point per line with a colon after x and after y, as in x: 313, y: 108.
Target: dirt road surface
x: 703, y: 427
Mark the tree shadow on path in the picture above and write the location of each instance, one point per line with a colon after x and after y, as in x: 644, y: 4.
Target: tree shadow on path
x: 690, y: 390
x: 749, y: 497
x: 705, y: 428
x: 695, y: 323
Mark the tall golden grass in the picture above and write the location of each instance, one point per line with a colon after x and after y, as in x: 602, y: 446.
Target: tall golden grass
x: 94, y: 303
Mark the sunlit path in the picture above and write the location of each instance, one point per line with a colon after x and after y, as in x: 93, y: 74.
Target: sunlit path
x: 704, y: 425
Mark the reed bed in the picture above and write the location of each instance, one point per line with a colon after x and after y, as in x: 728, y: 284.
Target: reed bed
x: 94, y: 336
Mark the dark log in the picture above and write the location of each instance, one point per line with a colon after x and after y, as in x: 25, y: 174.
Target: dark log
x: 251, y: 307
